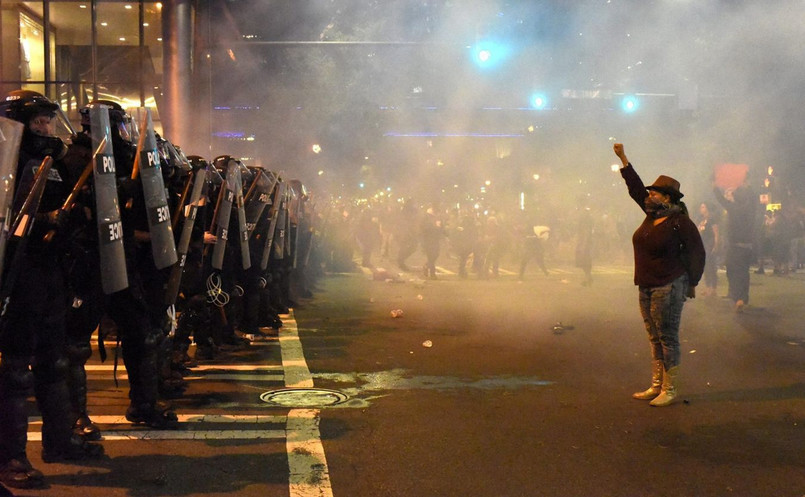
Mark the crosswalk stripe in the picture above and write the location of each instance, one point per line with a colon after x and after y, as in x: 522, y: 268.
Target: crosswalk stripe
x: 255, y: 368
x: 208, y: 377
x: 124, y: 435
x: 189, y: 418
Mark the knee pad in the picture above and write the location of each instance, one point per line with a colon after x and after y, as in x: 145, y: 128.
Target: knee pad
x: 153, y: 338
x: 15, y: 374
x: 197, y: 303
x: 51, y: 371
x: 79, y: 353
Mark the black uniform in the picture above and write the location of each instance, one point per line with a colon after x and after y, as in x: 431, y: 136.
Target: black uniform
x: 139, y: 310
x: 32, y: 331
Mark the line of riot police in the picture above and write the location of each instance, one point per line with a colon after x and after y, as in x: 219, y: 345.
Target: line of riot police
x: 120, y: 230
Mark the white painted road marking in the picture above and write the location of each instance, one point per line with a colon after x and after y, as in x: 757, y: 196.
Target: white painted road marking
x: 112, y: 428
x: 255, y: 368
x: 275, y: 377
x: 309, y: 475
x: 126, y: 435
x: 189, y: 418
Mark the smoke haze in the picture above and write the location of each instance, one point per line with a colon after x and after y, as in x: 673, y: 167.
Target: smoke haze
x: 395, y: 100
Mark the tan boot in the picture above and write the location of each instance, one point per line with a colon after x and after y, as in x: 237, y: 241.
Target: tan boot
x: 669, y: 384
x: 656, y: 383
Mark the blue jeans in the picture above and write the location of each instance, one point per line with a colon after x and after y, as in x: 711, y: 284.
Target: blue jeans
x: 661, y: 308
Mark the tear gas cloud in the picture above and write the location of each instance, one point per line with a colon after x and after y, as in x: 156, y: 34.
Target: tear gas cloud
x: 389, y: 91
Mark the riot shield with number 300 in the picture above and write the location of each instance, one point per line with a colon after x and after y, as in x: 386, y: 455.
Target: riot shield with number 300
x: 110, y: 229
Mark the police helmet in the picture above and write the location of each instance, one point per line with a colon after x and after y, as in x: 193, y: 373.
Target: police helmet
x: 197, y: 162
x: 38, y: 138
x: 120, y: 121
x: 221, y: 163
x: 246, y: 175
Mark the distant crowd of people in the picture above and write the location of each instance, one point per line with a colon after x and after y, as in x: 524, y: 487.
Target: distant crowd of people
x: 736, y: 229
x: 470, y: 241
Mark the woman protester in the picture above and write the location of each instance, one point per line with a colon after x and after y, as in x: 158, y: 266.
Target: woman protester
x: 669, y: 261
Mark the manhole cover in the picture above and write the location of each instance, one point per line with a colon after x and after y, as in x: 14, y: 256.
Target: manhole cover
x: 303, y: 397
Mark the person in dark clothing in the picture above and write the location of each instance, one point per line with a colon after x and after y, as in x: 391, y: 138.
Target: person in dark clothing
x: 669, y: 262
x: 137, y: 310
x: 711, y: 237
x: 432, y: 233
x: 367, y: 235
x: 742, y: 210
x: 32, y: 329
x: 463, y: 240
x: 584, y: 245
x: 406, y: 233
x: 530, y: 237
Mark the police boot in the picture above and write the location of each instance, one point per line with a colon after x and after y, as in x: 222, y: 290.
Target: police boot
x: 669, y: 384
x: 144, y: 389
x: 59, y: 443
x: 205, y: 350
x: 157, y: 415
x: 171, y: 382
x: 171, y: 385
x: 15, y: 469
x: 278, y: 303
x: 180, y: 360
x: 656, y: 383
x: 19, y: 473
x: 4, y: 492
x: 269, y: 319
x: 77, y: 383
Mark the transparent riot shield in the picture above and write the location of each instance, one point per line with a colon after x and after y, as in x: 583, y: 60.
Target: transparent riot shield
x: 10, y: 138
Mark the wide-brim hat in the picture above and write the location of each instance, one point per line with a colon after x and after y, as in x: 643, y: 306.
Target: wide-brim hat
x: 667, y: 185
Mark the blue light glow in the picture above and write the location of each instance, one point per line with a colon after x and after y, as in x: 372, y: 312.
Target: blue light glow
x: 488, y: 54
x: 629, y: 104
x: 539, y: 101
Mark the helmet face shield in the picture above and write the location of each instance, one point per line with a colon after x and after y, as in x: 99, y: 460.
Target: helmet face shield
x: 120, y: 121
x: 127, y: 128
x: 177, y: 158
x: 164, y: 153
x: 62, y: 127
x: 42, y: 117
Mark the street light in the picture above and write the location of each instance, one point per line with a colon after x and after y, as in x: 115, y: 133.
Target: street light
x: 629, y: 104
x: 539, y: 101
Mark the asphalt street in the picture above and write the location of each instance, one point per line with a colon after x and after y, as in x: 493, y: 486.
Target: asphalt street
x: 480, y: 387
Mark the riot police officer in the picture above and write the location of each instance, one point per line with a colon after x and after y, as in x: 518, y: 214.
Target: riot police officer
x: 32, y: 332
x: 140, y: 326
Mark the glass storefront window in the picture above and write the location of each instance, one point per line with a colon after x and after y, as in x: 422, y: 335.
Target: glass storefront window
x: 32, y: 53
x: 126, y: 69
x: 152, y: 41
x: 71, y: 24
